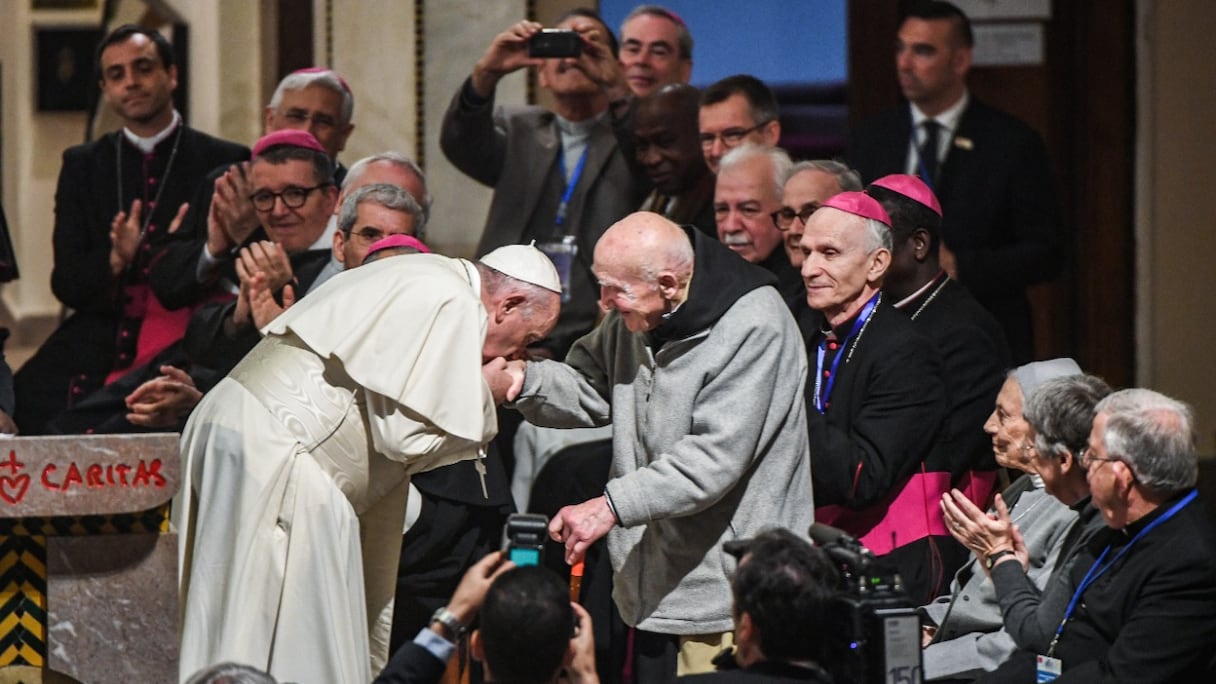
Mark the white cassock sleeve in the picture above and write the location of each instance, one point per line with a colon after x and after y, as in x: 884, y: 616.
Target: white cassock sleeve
x: 404, y: 436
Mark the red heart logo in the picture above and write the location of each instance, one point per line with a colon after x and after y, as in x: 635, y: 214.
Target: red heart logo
x: 18, y: 484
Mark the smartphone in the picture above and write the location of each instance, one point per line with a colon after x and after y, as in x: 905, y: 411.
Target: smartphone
x: 555, y: 43
x: 523, y: 538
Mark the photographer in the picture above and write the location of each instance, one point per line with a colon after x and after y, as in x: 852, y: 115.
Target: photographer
x: 783, y: 592
x: 560, y: 175
x: 524, y: 636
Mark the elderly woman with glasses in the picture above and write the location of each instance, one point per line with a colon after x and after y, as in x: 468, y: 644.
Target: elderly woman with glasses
x: 963, y: 636
x: 1060, y: 413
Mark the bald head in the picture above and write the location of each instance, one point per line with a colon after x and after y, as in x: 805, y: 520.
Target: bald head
x: 644, y: 264
x: 645, y: 243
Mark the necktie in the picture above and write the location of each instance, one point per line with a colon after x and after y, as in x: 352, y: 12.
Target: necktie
x: 928, y: 152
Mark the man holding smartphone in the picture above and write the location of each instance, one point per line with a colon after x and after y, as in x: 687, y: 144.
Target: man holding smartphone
x: 560, y: 176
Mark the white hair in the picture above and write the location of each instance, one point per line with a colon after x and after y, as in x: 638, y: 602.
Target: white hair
x: 779, y: 162
x: 847, y: 179
x: 327, y: 78
x: 1155, y: 436
x: 403, y: 162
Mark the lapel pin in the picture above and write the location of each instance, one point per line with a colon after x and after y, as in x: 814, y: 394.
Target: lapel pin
x: 964, y: 143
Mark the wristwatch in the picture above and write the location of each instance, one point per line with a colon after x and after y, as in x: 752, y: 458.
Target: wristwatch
x: 991, y: 560
x: 449, y: 621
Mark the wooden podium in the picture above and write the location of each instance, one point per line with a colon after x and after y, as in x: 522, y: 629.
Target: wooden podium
x: 88, y: 568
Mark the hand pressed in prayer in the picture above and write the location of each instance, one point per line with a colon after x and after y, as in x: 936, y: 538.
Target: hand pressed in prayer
x: 267, y: 257
x: 262, y: 305
x: 124, y: 237
x: 232, y: 218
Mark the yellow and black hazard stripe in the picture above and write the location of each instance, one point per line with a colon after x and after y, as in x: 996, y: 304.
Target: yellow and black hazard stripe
x: 23, y: 605
x: 23, y: 600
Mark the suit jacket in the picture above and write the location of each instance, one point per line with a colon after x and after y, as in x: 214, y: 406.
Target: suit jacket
x: 515, y: 150
x: 999, y: 212
x: 1149, y: 618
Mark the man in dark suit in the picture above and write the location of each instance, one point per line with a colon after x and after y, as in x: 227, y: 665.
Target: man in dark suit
x: 115, y: 195
x: 560, y: 176
x: 968, y: 338
x: 1000, y: 229
x: 1145, y: 590
x: 875, y: 402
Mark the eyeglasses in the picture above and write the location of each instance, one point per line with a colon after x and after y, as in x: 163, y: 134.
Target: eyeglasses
x: 293, y: 197
x: 731, y: 137
x: 1087, y: 458
x: 302, y: 118
x: 784, y: 217
x: 369, y: 234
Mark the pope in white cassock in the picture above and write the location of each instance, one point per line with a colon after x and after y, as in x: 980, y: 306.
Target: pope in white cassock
x: 296, y: 465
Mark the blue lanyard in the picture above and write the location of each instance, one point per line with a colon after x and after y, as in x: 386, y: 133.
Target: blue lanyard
x: 821, y: 400
x: 1098, y: 569
x: 560, y: 220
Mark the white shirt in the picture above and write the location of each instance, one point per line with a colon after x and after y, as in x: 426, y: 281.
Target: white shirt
x: 948, y: 120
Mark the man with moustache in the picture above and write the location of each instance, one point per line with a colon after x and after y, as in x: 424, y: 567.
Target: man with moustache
x: 746, y: 198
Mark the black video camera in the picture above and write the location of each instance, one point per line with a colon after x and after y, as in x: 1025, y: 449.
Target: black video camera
x: 878, y: 628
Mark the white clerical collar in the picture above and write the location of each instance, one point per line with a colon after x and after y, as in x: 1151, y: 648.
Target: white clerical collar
x: 912, y: 297
x: 948, y: 119
x: 578, y: 129
x: 147, y: 145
